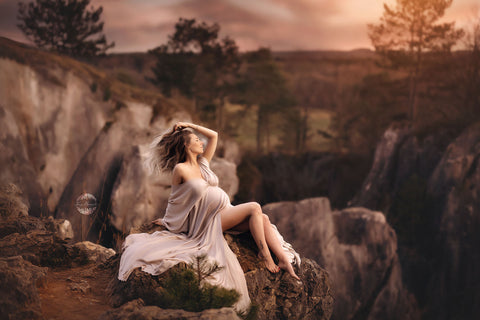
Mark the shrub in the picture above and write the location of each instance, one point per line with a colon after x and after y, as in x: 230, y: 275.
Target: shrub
x: 185, y: 288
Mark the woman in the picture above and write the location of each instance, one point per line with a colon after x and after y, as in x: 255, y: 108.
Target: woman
x: 197, y: 214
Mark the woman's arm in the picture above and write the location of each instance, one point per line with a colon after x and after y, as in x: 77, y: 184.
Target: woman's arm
x: 211, y: 135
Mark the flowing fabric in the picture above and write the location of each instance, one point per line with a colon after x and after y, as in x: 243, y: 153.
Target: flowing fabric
x: 194, y: 228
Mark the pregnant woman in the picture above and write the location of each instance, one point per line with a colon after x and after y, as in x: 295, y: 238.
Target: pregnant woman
x: 197, y: 214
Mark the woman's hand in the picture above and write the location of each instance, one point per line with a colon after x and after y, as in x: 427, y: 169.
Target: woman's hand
x: 181, y: 125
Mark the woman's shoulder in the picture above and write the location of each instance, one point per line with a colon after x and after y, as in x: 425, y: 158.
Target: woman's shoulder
x: 178, y: 173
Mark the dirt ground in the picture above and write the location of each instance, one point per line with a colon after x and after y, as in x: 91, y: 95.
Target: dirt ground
x: 75, y: 293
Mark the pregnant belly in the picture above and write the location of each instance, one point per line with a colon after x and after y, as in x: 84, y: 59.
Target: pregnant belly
x: 216, y: 199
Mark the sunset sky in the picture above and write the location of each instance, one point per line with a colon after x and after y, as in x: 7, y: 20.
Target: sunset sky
x: 139, y: 25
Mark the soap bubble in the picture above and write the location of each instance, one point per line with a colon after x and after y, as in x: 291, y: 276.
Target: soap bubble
x: 86, y: 204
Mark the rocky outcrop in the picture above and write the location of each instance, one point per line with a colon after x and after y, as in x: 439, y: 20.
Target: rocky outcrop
x: 19, y: 280
x: 357, y: 248
x: 278, y: 296
x: 67, y: 129
x: 137, y: 309
x: 430, y: 194
x: 454, y: 186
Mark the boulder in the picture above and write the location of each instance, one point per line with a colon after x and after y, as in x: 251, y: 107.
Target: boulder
x: 278, y: 296
x: 93, y: 253
x: 19, y: 280
x: 62, y: 228
x: 357, y: 248
x: 136, y: 309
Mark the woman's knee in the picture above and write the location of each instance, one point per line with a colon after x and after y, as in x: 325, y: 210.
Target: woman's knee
x: 265, y: 218
x: 255, y: 208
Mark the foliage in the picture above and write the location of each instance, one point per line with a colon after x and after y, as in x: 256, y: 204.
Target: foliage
x: 199, y: 65
x: 409, y: 30
x: 367, y: 110
x: 263, y: 84
x: 185, y: 288
x: 64, y: 26
x: 467, y: 73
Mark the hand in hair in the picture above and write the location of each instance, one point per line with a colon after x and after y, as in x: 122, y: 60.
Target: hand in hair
x: 180, y: 126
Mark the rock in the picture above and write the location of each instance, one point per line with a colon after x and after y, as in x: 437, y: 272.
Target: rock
x: 399, y: 155
x: 42, y: 242
x: 278, y: 296
x: 137, y: 309
x: 81, y: 286
x: 454, y: 285
x: 376, y: 183
x: 15, y: 218
x: 357, y: 248
x: 37, y: 246
x: 94, y: 252
x: 21, y: 225
x: 227, y: 173
x: 19, y: 280
x: 62, y: 228
x: 137, y: 197
x: 11, y: 203
x: 432, y: 185
x: 229, y: 150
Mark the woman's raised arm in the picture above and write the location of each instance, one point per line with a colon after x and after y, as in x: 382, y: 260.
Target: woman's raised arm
x: 211, y: 135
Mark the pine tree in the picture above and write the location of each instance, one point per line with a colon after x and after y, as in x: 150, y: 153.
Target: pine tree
x: 405, y: 33
x: 64, y: 26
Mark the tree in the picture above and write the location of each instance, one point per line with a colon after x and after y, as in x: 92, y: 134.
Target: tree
x: 405, y: 33
x: 199, y: 65
x: 263, y: 84
x: 471, y: 77
x: 64, y: 26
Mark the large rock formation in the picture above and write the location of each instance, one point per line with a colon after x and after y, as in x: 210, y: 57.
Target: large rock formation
x: 428, y: 189
x: 454, y: 186
x: 357, y: 248
x: 67, y: 129
x: 278, y: 296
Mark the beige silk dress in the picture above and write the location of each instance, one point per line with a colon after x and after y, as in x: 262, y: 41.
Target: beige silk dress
x: 194, y: 227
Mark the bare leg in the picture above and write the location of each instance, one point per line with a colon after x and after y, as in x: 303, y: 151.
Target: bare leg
x: 234, y: 216
x: 276, y: 247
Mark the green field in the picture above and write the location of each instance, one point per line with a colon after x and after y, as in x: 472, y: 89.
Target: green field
x: 241, y: 124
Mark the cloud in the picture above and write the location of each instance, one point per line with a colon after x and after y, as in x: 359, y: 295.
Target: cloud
x: 139, y: 25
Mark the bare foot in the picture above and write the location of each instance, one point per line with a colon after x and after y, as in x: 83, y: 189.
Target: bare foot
x: 269, y: 264
x: 285, y: 265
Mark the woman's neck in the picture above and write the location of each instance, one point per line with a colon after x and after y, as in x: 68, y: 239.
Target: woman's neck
x: 192, y: 159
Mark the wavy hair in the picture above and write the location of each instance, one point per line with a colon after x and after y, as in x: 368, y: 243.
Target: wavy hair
x: 166, y: 150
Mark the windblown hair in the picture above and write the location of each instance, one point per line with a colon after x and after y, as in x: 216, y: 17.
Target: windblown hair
x: 166, y: 150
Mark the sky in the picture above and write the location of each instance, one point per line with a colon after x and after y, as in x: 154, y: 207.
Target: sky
x: 281, y: 25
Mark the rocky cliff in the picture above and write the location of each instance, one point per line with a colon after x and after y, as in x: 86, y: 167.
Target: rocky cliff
x: 358, y: 249
x: 38, y: 256
x: 427, y: 184
x: 67, y: 128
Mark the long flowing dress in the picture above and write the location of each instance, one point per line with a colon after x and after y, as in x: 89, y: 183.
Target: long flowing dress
x: 194, y: 227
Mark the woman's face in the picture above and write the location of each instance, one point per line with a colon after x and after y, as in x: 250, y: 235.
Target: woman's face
x: 195, y: 145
